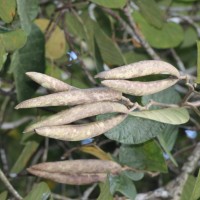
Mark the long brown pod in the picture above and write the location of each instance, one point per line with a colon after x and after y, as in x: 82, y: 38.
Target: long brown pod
x: 49, y: 82
x: 76, y: 172
x: 80, y: 132
x: 138, y: 88
x: 79, y: 112
x: 138, y: 69
x: 72, y: 97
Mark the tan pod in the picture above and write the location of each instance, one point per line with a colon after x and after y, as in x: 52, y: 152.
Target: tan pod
x: 79, y: 112
x: 80, y: 132
x: 72, y: 97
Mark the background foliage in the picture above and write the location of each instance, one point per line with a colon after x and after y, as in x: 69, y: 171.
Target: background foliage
x: 73, y: 40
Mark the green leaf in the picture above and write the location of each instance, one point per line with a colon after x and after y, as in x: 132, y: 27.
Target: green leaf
x: 134, y: 130
x: 3, y: 56
x: 25, y: 156
x: 75, y: 25
x: 198, y: 62
x: 123, y: 185
x: 188, y: 188
x: 167, y: 151
x: 27, y: 10
x: 151, y: 12
x: 39, y: 191
x: 109, y: 50
x: 110, y: 3
x: 13, y: 40
x: 190, y: 38
x: 169, y: 36
x: 135, y: 176
x: 105, y: 191
x: 196, y: 190
x: 166, y: 115
x: 147, y: 156
x: 168, y: 96
x: 28, y: 58
x: 3, y: 195
x: 7, y: 10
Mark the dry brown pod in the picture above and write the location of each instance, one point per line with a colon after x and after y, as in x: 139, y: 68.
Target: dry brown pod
x: 79, y: 112
x: 80, y: 132
x: 49, y: 82
x: 138, y: 88
x: 76, y: 172
x: 72, y: 97
x: 138, y: 69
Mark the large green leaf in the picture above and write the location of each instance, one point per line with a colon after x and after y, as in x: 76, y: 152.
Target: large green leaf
x: 13, y: 40
x: 147, y: 156
x: 151, y: 12
x: 135, y: 176
x: 27, y: 10
x: 105, y: 191
x: 3, y: 195
x: 29, y: 58
x: 123, y: 185
x: 7, y: 10
x: 134, y: 130
x: 166, y: 115
x: 109, y: 50
x: 170, y: 35
x: 40, y: 191
x: 110, y: 3
x: 196, y: 190
x: 25, y: 156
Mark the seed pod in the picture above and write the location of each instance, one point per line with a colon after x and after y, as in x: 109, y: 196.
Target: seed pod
x: 49, y: 82
x: 79, y: 112
x: 72, y: 97
x: 76, y: 172
x: 138, y: 88
x: 80, y: 132
x: 138, y: 69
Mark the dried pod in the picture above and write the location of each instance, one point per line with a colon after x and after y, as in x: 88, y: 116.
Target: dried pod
x: 76, y: 172
x: 80, y: 132
x: 49, y: 82
x: 138, y: 69
x: 79, y: 112
x: 138, y: 88
x: 72, y: 97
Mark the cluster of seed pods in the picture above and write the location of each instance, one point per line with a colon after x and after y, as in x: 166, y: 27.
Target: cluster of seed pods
x: 95, y: 101
x: 86, y: 103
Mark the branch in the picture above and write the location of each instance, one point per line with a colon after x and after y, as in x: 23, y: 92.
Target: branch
x: 9, y: 186
x: 139, y: 35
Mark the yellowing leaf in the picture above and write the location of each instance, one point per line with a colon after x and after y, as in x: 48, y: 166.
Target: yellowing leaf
x: 167, y: 115
x: 95, y: 151
x: 55, y: 45
x: 7, y: 10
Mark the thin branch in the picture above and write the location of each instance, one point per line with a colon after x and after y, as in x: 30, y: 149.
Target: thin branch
x: 60, y: 197
x: 88, y: 192
x: 139, y: 35
x: 178, y: 60
x: 9, y: 186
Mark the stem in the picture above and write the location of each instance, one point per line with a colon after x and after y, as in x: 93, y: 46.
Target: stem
x: 9, y: 186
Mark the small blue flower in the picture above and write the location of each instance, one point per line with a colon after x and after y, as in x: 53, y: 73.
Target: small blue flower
x: 72, y: 55
x: 166, y: 156
x: 87, y: 141
x: 191, y: 134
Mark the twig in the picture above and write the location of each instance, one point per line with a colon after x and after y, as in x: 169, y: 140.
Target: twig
x: 9, y: 186
x: 178, y: 60
x: 88, y: 192
x: 139, y: 35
